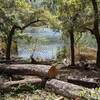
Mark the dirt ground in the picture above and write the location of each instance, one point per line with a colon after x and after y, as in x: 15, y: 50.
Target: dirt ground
x: 81, y: 73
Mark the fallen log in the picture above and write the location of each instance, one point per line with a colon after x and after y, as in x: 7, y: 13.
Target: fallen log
x: 22, y: 85
x: 21, y: 82
x: 87, y: 84
x: 45, y: 71
x: 64, y: 88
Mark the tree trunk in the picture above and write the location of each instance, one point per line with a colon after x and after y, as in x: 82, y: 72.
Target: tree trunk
x: 72, y: 47
x: 98, y: 55
x: 66, y: 89
x: 45, y: 71
x: 9, y: 43
x: 98, y: 50
x: 96, y: 30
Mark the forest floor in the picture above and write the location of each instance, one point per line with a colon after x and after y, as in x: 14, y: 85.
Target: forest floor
x: 83, y: 73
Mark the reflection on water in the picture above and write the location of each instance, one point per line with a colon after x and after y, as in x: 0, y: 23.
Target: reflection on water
x: 43, y: 51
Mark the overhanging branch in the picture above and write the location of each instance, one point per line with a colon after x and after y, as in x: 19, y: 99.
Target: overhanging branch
x: 22, y: 28
x: 89, y: 29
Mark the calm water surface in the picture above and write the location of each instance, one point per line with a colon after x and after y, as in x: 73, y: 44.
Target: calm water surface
x: 47, y: 50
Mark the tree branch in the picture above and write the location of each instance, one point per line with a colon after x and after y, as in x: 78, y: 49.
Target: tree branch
x: 89, y: 29
x: 22, y: 28
x: 30, y: 24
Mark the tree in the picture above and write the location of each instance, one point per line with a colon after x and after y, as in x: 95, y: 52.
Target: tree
x: 12, y: 14
x: 92, y: 24
x: 10, y: 37
x: 69, y: 15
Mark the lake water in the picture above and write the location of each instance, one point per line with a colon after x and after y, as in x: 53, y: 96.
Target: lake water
x: 46, y: 50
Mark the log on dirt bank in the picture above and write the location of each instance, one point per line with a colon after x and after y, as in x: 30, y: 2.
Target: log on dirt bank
x: 64, y: 88
x: 45, y: 71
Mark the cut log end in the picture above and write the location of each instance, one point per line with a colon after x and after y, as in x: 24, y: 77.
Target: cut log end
x: 52, y: 72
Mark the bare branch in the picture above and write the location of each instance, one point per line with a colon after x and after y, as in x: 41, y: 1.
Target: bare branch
x: 89, y: 29
x: 32, y: 22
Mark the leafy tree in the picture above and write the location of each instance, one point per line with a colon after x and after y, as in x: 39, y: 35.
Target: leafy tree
x: 11, y: 13
x: 79, y: 16
x: 69, y: 14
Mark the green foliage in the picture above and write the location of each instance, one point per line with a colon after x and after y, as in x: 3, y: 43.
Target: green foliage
x: 20, y: 12
x: 12, y: 12
x: 91, y: 94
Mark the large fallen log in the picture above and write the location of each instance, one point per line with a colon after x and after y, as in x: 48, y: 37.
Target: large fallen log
x: 64, y: 88
x: 45, y: 71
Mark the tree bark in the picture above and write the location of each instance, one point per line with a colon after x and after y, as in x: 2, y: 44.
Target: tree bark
x: 45, y: 71
x: 66, y: 89
x: 72, y: 47
x: 98, y: 50
x: 9, y: 43
x: 96, y: 30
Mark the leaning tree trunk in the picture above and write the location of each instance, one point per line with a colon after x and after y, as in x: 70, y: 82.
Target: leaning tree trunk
x: 72, y: 47
x: 98, y: 55
x: 9, y: 43
x: 98, y: 50
x: 96, y: 30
